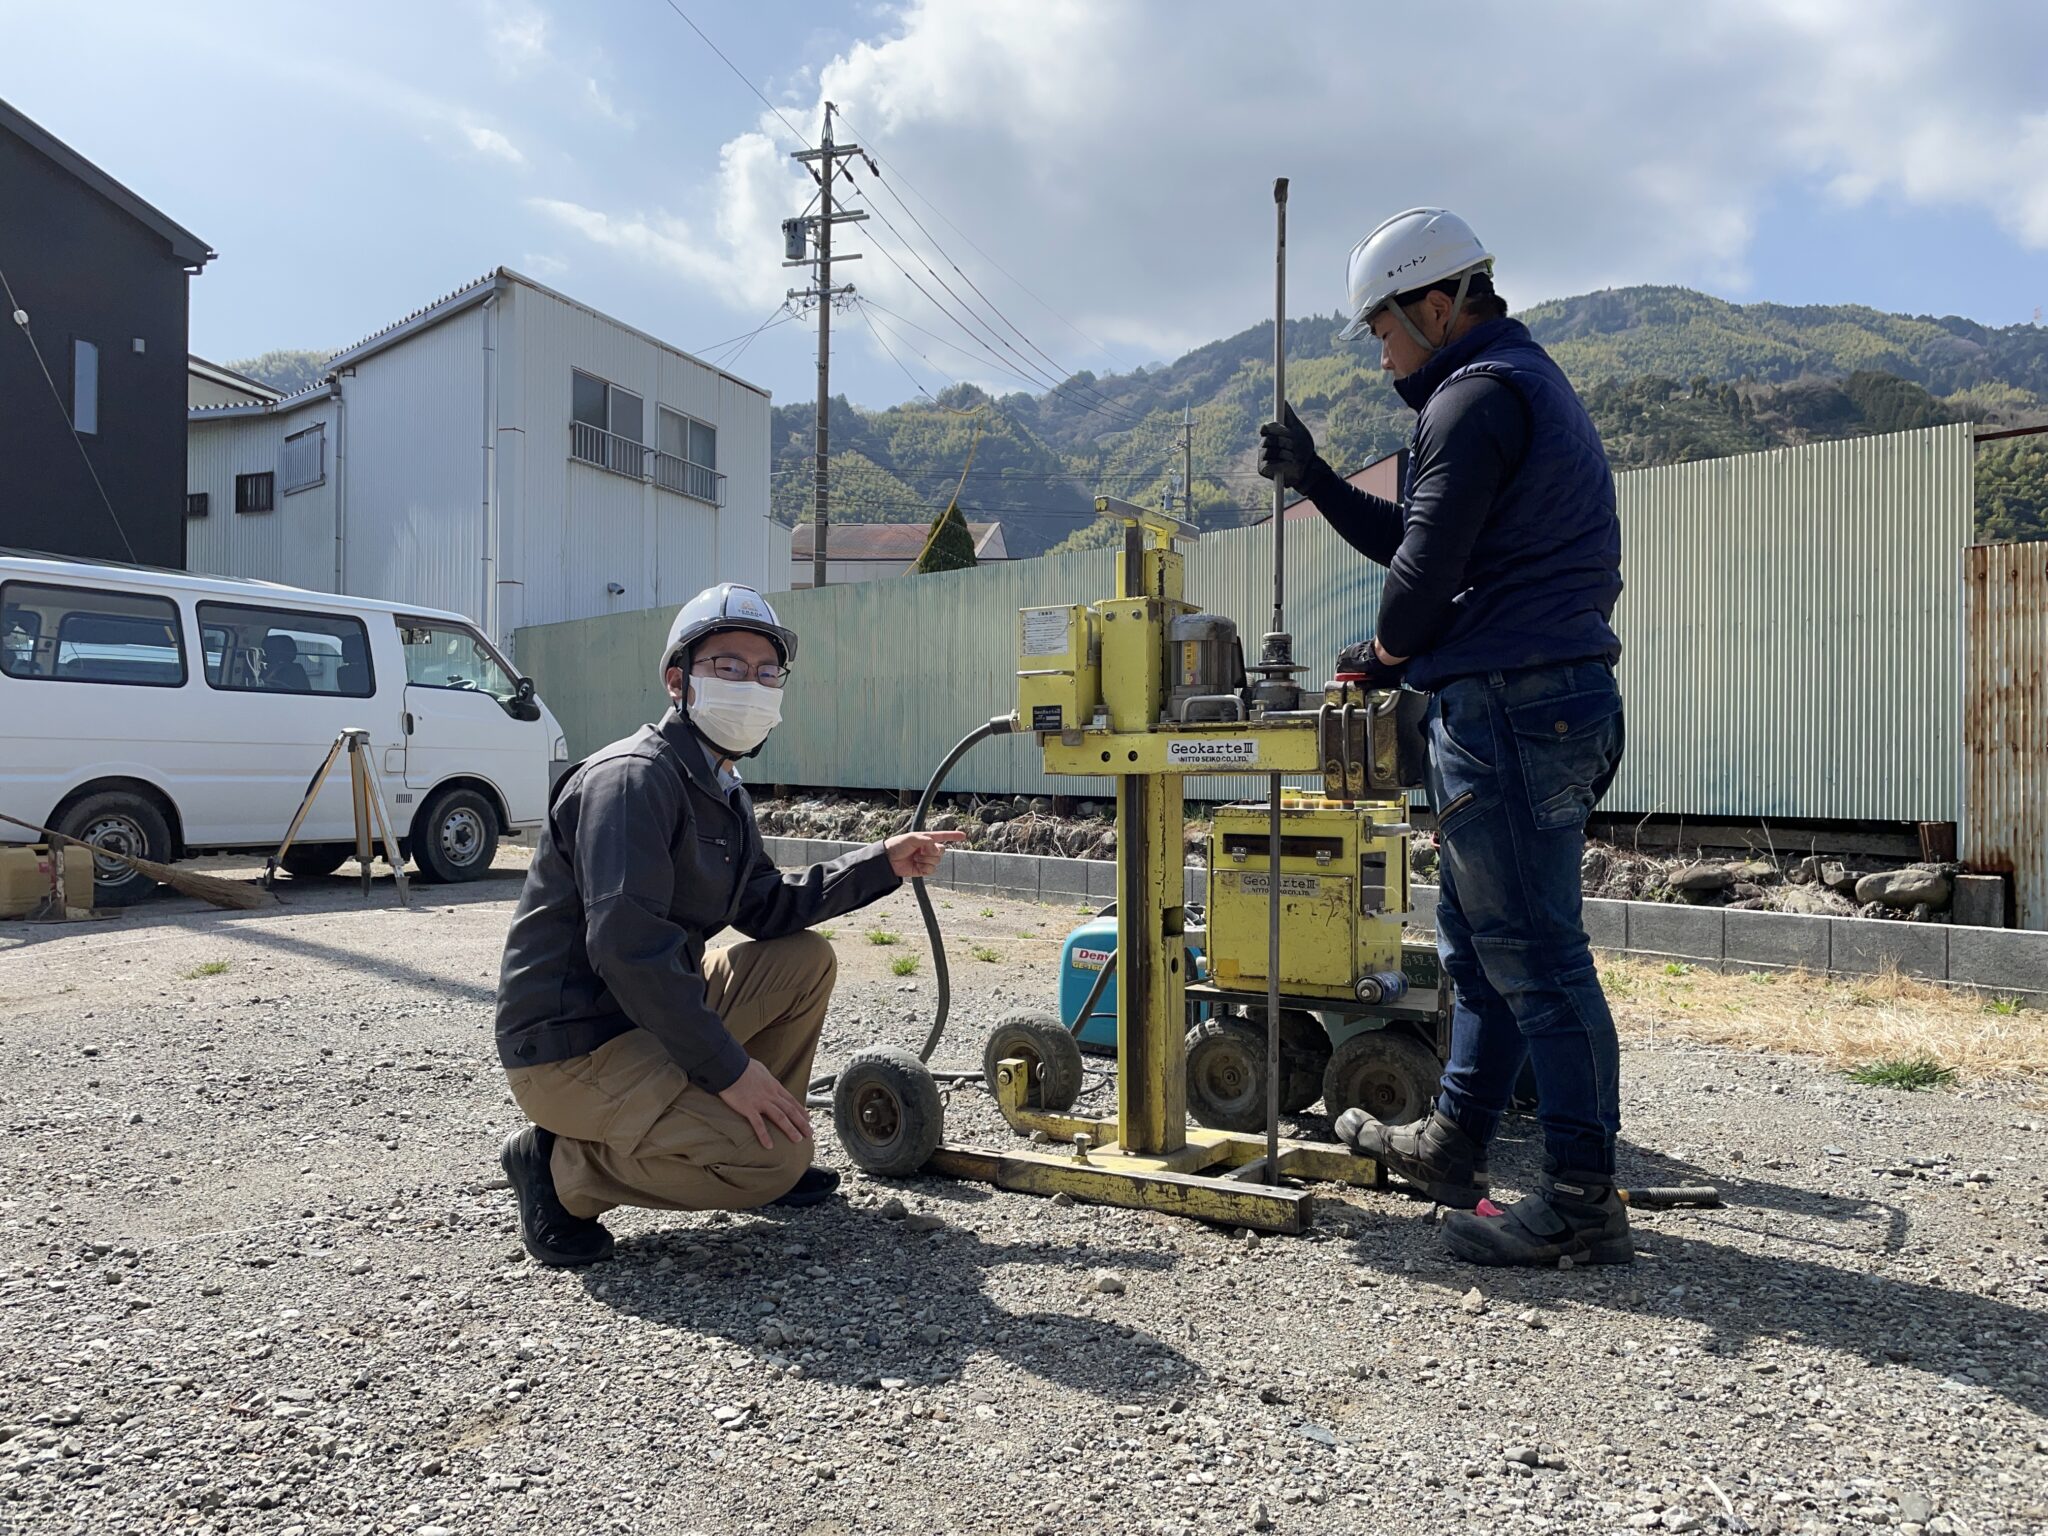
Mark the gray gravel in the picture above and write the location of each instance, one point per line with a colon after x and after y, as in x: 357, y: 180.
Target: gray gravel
x: 257, y: 1273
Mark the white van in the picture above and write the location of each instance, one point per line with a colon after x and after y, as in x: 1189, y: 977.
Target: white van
x: 167, y: 715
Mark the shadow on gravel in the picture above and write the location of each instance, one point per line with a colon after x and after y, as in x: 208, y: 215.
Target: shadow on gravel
x: 297, y: 897
x: 874, y: 1261
x: 1740, y: 1296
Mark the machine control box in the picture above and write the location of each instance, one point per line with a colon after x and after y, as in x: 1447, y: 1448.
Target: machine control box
x: 1059, y: 667
x: 1343, y: 894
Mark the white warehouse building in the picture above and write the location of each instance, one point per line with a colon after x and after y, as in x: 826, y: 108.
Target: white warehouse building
x: 505, y: 452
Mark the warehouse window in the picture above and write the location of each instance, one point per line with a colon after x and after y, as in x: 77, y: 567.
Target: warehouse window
x: 283, y: 650
x: 256, y: 493
x: 85, y: 386
x: 607, y: 424
x: 195, y: 503
x: 77, y: 635
x: 304, y: 464
x: 688, y: 460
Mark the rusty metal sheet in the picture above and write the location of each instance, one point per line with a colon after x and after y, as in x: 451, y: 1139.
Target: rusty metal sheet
x: 2005, y: 719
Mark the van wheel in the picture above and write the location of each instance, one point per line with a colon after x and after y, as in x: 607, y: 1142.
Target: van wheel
x: 455, y: 837
x: 124, y: 823
x: 309, y: 861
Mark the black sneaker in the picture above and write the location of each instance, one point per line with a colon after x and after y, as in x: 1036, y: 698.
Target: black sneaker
x: 813, y: 1187
x: 1432, y: 1154
x: 1569, y: 1216
x: 546, y: 1228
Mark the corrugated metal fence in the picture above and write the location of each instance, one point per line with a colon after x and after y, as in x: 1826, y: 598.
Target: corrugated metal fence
x: 1789, y: 631
x: 2005, y: 720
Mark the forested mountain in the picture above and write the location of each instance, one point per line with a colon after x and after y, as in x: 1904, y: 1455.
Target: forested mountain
x: 1669, y: 375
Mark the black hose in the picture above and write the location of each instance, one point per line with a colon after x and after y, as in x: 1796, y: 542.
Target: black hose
x: 821, y: 1087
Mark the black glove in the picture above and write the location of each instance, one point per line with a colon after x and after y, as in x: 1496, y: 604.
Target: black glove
x: 1363, y: 659
x: 1286, y: 451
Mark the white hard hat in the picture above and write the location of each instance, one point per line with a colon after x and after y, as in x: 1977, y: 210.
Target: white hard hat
x: 1409, y: 251
x: 725, y: 606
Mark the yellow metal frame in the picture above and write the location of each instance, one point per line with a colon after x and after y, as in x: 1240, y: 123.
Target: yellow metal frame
x: 1145, y: 1156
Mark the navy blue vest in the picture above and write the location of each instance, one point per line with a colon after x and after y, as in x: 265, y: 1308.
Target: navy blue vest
x: 1546, y: 568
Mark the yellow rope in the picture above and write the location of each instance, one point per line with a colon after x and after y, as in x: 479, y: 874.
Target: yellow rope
x: 939, y: 522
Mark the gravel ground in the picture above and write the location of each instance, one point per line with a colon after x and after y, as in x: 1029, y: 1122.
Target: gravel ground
x: 258, y: 1273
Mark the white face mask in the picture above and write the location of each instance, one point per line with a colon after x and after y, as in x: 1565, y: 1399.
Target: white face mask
x: 734, y: 717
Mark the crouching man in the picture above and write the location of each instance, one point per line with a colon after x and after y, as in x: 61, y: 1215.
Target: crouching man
x: 655, y: 1074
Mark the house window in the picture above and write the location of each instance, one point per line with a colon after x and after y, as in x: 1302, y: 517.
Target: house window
x: 284, y: 650
x: 304, y: 464
x: 85, y: 386
x: 76, y: 635
x: 195, y: 503
x: 607, y: 425
x: 256, y: 493
x: 688, y: 460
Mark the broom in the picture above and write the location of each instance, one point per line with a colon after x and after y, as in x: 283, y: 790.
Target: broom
x: 236, y: 895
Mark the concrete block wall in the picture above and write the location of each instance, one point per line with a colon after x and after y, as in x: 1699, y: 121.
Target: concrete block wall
x: 1990, y: 959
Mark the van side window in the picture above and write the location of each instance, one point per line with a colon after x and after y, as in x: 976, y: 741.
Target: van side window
x: 439, y: 654
x: 77, y: 635
x: 282, y: 650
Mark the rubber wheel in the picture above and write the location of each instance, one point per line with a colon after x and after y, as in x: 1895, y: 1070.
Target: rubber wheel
x: 1391, y: 1076
x: 309, y: 861
x: 886, y: 1110
x: 1227, y: 1075
x: 455, y: 837
x: 1304, y: 1057
x: 1044, y: 1044
x: 128, y: 824
x: 1304, y: 1053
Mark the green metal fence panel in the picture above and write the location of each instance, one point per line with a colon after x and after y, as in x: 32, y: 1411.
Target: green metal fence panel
x: 1789, y: 642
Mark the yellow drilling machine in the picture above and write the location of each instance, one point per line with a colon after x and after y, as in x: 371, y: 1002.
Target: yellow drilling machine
x: 1307, y: 895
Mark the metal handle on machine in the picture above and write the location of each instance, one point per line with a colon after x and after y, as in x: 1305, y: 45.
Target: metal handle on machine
x: 1279, y: 626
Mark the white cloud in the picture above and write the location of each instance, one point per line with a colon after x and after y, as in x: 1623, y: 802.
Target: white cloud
x: 1119, y: 158
x: 519, y: 36
x: 490, y: 142
x: 599, y: 100
x: 541, y: 264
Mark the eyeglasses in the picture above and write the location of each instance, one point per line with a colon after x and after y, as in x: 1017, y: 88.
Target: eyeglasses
x: 733, y: 669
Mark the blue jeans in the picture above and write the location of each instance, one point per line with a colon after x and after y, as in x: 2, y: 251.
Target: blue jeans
x: 1516, y: 762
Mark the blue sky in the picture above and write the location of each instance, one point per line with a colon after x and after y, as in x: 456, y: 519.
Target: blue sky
x: 351, y: 163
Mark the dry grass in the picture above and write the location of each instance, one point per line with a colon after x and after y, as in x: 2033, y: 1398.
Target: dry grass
x: 1848, y: 1022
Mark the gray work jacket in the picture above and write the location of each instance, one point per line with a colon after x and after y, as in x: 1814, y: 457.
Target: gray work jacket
x: 643, y: 860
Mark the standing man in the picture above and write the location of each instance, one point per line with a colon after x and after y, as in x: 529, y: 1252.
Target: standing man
x: 1503, y: 563
x: 655, y: 1074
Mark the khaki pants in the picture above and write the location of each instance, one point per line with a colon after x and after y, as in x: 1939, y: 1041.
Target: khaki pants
x: 633, y: 1131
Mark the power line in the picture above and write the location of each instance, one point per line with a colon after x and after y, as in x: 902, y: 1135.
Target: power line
x: 744, y: 336
x: 869, y: 322
x: 21, y: 320
x: 984, y: 255
x: 743, y: 80
x: 1052, y: 383
x: 1059, y: 368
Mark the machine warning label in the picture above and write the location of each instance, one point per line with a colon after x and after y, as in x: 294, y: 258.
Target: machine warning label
x: 1290, y: 885
x: 1200, y: 752
x: 1090, y: 959
x: 1046, y: 630
x: 1047, y: 717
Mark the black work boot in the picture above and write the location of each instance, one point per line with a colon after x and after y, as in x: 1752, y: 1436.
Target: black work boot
x: 1433, y: 1154
x: 814, y: 1186
x: 1573, y: 1216
x: 546, y: 1228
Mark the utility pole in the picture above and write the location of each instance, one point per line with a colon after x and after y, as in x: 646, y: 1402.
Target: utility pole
x: 823, y: 163
x: 1187, y: 449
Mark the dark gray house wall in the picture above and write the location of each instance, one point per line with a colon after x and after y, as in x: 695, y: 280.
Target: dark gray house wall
x: 89, y: 261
